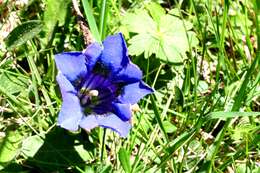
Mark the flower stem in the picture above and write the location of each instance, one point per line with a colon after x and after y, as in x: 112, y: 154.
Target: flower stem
x: 103, y: 145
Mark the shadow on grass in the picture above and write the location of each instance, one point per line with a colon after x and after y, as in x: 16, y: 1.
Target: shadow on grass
x: 57, y: 153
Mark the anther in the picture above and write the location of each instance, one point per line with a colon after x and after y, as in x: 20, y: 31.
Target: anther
x: 93, y: 93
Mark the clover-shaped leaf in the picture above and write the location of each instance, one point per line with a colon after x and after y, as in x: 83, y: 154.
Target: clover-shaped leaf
x: 164, y: 35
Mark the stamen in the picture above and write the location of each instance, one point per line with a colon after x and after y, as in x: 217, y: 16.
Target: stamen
x: 84, y: 100
x: 82, y: 92
x: 93, y: 93
x: 96, y: 94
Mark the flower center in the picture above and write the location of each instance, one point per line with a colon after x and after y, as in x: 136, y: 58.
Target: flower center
x: 87, y: 95
x: 96, y: 94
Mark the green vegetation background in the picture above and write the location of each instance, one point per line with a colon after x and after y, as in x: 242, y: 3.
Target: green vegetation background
x: 201, y: 56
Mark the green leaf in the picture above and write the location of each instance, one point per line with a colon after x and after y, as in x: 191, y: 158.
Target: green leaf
x: 139, y: 22
x: 169, y: 127
x: 124, y: 157
x: 82, y: 152
x: 142, y: 43
x: 56, y: 11
x: 22, y: 33
x: 174, y: 39
x: 224, y: 115
x: 179, y: 96
x: 155, y: 10
x: 202, y: 86
x: 9, y: 147
x: 13, y: 84
x: 168, y: 37
x: 242, y: 168
x: 88, y: 169
x: 31, y: 145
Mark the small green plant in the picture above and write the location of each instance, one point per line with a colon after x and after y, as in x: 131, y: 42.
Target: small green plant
x: 166, y: 35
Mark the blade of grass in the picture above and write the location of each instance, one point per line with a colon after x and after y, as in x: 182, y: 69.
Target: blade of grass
x: 241, y: 95
x: 241, y: 152
x: 37, y: 75
x: 91, y: 20
x: 225, y: 115
x: 103, y: 19
x: 34, y: 82
x: 14, y: 100
x: 177, y: 143
x: 158, y: 118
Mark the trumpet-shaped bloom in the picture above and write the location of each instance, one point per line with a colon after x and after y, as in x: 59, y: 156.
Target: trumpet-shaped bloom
x: 98, y: 86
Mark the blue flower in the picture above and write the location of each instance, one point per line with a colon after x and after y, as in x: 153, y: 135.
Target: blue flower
x: 98, y: 86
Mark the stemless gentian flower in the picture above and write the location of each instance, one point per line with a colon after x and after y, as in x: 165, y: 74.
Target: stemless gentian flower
x: 98, y: 86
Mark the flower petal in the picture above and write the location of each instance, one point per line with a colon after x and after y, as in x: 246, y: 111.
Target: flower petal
x: 123, y: 111
x: 71, y: 64
x: 114, y: 55
x: 113, y: 122
x: 88, y: 122
x: 132, y: 93
x: 131, y: 73
x: 65, y: 85
x: 92, y: 54
x: 70, y: 113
